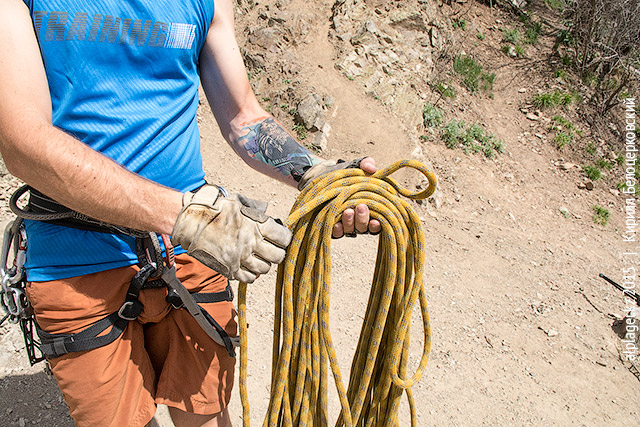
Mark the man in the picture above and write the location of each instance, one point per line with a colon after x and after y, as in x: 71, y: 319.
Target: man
x: 97, y: 111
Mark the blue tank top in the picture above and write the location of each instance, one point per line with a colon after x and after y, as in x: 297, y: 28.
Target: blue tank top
x: 123, y: 79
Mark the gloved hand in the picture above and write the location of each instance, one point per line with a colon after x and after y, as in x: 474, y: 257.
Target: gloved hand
x: 232, y: 235
x: 324, y: 168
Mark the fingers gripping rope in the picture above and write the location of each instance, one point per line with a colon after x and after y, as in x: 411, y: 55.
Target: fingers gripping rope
x: 303, y: 349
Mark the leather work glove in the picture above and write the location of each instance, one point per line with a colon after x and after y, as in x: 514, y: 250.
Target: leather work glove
x: 324, y: 168
x: 231, y: 235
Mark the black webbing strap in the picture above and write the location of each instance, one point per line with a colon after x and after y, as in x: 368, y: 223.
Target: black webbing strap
x: 173, y: 297
x: 201, y: 297
x: 56, y: 345
x: 43, y: 208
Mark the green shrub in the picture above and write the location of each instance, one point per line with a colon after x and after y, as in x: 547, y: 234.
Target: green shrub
x: 301, y: 131
x: 512, y: 35
x: 432, y: 116
x: 460, y: 23
x: 559, y: 120
x: 558, y: 5
x: 555, y: 99
x: 480, y: 36
x: 532, y: 33
x: 471, y: 138
x: 452, y: 133
x: 446, y: 90
x: 473, y: 74
x: 600, y: 215
x: 560, y: 74
x: 604, y: 164
x: 563, y: 138
x: 565, y: 131
x: 592, y: 172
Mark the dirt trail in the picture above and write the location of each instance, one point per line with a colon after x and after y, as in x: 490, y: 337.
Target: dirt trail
x: 521, y: 322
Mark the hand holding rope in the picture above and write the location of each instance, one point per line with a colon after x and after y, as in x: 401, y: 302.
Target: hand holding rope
x: 303, y: 349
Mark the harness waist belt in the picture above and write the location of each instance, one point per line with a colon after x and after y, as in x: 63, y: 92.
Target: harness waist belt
x: 43, y: 208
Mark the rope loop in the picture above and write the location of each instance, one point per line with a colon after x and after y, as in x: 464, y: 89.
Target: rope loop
x: 303, y: 350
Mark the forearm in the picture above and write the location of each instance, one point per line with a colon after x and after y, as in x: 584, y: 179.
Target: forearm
x: 84, y: 180
x: 55, y: 163
x: 268, y: 147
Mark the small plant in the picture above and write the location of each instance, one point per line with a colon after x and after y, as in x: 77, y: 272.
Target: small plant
x: 532, y: 33
x: 266, y: 99
x: 561, y: 121
x: 590, y: 148
x: 600, y: 215
x: 520, y: 50
x: 446, y: 90
x: 565, y: 131
x: 460, y: 23
x: 558, y: 5
x: 592, y: 172
x: 452, y: 133
x: 563, y: 138
x: 512, y: 35
x: 622, y: 186
x: 472, y: 139
x: 562, y: 74
x: 604, y: 164
x: 300, y: 131
x: 555, y: 99
x: 481, y: 36
x: 619, y: 160
x: 286, y: 81
x: 473, y: 73
x: 313, y: 148
x: 564, y: 212
x: 432, y: 116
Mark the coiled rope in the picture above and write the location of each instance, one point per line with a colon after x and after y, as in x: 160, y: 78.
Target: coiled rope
x: 303, y: 349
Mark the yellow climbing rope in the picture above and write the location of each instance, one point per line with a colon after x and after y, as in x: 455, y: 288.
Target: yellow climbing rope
x: 303, y: 349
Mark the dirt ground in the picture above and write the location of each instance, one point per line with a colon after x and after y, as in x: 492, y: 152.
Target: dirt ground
x: 521, y: 322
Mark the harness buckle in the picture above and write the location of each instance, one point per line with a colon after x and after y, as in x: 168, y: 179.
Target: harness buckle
x: 174, y: 299
x: 130, y: 310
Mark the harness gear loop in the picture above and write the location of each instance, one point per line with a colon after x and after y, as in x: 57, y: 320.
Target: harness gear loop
x: 303, y: 348
x: 13, y: 281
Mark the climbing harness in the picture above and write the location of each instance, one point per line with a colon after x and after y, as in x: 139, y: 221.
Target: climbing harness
x: 155, y: 271
x: 12, y: 296
x: 302, y: 345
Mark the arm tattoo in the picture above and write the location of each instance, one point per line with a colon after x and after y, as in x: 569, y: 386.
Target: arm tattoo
x: 267, y: 141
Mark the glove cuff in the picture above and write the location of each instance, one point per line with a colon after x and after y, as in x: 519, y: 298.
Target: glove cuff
x: 185, y: 229
x: 326, y: 167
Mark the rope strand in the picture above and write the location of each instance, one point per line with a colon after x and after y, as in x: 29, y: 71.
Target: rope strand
x: 303, y: 349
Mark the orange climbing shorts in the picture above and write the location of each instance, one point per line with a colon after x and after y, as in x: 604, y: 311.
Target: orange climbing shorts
x: 163, y: 357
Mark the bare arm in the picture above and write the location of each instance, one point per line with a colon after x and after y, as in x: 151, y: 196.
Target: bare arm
x: 257, y: 137
x: 52, y: 161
